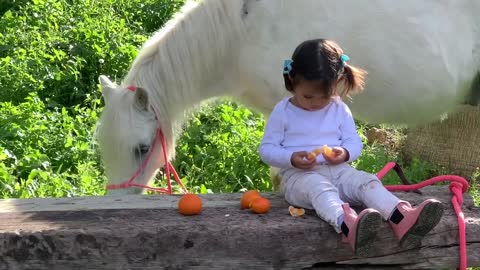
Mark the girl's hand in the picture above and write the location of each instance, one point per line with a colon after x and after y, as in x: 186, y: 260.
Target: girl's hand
x: 300, y: 160
x: 339, y: 155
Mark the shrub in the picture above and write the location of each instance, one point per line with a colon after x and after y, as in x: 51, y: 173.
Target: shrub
x: 48, y: 152
x: 218, y: 150
x: 58, y: 48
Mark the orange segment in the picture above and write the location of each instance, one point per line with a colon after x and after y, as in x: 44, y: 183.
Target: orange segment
x: 296, y: 212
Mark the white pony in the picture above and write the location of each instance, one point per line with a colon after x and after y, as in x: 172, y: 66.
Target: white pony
x: 422, y: 57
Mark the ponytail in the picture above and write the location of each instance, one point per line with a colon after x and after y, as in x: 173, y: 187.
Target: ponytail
x: 353, y: 80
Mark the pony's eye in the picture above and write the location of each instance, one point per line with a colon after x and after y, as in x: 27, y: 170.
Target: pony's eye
x: 141, y: 150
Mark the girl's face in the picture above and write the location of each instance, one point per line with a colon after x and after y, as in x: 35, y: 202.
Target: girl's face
x: 308, y: 95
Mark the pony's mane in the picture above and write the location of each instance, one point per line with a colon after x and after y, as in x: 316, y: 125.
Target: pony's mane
x: 193, y: 43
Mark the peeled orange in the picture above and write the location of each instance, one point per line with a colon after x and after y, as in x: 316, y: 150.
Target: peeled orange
x: 190, y: 204
x: 317, y: 151
x: 260, y: 205
x: 247, y: 198
x: 327, y: 151
x: 311, y: 156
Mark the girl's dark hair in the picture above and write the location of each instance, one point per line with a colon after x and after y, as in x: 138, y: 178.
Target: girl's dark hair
x: 319, y: 60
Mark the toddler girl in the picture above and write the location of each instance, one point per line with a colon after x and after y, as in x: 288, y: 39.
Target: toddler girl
x: 317, y: 76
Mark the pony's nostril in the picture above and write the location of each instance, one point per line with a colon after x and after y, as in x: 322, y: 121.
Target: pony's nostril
x: 141, y: 150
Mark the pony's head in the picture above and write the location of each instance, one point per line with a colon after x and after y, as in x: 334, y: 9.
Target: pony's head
x: 126, y: 132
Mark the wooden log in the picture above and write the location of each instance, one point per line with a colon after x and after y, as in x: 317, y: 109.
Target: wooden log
x: 147, y: 232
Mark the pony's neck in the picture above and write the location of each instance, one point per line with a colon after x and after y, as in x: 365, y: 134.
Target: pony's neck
x: 181, y: 62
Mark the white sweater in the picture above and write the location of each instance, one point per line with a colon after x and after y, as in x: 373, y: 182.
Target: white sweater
x: 292, y: 129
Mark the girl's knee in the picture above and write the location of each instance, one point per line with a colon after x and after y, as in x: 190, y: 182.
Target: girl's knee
x: 369, y: 184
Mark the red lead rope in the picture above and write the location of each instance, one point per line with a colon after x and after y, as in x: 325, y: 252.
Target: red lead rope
x: 458, y: 186
x: 168, y: 169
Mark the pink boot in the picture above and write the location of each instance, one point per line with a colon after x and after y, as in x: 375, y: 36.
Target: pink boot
x: 360, y: 231
x: 411, y: 224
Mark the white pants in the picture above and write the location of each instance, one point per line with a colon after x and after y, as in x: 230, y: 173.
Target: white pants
x: 326, y: 187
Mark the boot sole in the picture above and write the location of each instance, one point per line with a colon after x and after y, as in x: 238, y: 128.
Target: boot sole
x: 427, y: 220
x: 367, y: 228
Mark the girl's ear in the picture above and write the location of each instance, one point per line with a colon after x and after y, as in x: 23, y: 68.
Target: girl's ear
x: 291, y: 83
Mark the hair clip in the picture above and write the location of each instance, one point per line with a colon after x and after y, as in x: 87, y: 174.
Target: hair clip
x: 344, y: 58
x: 287, y: 66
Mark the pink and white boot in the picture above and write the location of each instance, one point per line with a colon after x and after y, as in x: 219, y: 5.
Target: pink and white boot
x: 360, y: 230
x: 411, y: 224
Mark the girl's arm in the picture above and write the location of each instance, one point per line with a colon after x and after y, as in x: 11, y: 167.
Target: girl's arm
x: 271, y: 151
x: 351, y: 141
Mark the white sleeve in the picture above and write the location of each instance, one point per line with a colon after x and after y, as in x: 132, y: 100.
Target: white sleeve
x: 271, y: 150
x: 350, y: 138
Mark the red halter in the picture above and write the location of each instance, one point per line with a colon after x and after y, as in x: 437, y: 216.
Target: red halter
x: 168, y: 166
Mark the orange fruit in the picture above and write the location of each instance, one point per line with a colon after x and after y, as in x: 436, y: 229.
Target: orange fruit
x: 327, y: 151
x: 296, y: 212
x: 247, y: 198
x: 311, y: 156
x: 260, y: 205
x: 317, y: 151
x: 190, y: 204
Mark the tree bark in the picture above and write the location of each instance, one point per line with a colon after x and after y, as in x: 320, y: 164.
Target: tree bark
x: 147, y: 232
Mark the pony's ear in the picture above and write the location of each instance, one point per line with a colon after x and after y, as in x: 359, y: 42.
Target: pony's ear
x: 141, y: 99
x: 107, y: 86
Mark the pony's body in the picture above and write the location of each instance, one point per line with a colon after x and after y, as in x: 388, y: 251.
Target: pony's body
x: 421, y: 57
